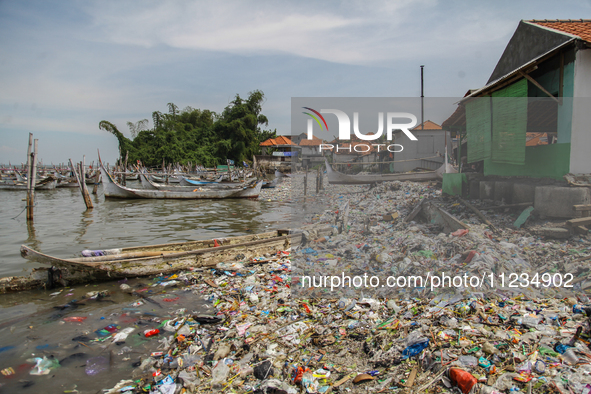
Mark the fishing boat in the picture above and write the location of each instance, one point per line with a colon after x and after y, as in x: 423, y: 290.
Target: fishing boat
x: 156, y: 259
x: 338, y: 178
x: 191, y: 182
x: 67, y: 182
x: 149, y: 185
x: 114, y: 190
x: 47, y: 183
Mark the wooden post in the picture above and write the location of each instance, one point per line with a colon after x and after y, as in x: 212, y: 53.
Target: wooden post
x: 305, y: 184
x: 82, y: 185
x: 31, y: 181
x: 29, y: 199
x: 317, y: 180
x: 97, y: 179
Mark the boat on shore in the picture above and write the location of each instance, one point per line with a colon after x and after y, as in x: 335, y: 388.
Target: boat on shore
x: 338, y: 178
x: 109, y: 264
x: 113, y: 190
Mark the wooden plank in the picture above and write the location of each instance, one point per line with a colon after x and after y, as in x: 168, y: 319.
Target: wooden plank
x: 411, y: 378
x: 526, y: 76
x: 583, y: 207
x: 519, y: 205
x: 478, y: 213
x: 579, y: 222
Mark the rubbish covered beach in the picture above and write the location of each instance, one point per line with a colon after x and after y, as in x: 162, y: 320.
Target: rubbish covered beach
x: 256, y: 325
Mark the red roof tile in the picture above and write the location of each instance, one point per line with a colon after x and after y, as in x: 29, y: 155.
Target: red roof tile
x: 428, y: 126
x: 315, y: 141
x: 577, y: 27
x: 280, y: 140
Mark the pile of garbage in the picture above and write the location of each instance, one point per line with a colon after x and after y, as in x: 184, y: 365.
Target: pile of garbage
x: 258, y: 338
x: 254, y: 326
x: 267, y: 333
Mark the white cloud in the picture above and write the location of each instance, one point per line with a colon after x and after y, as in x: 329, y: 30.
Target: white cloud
x: 354, y: 33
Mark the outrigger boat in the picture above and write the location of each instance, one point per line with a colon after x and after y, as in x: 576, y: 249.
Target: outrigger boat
x: 338, y: 178
x: 114, y: 190
x: 153, y: 259
x: 47, y: 183
x: 150, y: 185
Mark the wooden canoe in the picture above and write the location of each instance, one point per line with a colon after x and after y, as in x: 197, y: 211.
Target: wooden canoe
x: 48, y: 183
x: 113, y: 190
x: 338, y: 178
x: 156, y: 259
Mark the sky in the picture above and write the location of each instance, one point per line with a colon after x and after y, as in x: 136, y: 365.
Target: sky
x: 66, y: 65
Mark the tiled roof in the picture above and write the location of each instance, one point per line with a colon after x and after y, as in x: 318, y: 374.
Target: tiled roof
x: 428, y: 126
x: 577, y: 27
x: 281, y: 140
x: 535, y: 139
x: 315, y: 141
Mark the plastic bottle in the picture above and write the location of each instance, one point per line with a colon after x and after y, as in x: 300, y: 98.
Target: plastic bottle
x: 149, y: 333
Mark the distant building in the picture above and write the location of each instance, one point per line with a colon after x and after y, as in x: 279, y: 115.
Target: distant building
x: 309, y: 150
x: 277, y: 152
x: 427, y: 152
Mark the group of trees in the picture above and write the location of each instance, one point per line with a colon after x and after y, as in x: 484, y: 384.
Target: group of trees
x: 197, y: 136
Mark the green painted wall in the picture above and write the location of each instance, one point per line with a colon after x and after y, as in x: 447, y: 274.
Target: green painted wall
x: 452, y: 184
x: 544, y: 161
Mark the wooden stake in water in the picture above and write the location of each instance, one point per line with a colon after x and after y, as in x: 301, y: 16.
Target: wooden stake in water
x: 97, y: 180
x: 31, y: 180
x: 82, y: 185
x: 29, y: 216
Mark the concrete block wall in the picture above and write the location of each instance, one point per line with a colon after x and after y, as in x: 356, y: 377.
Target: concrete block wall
x: 549, y: 200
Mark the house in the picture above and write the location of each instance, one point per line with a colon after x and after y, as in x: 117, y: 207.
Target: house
x: 308, y: 150
x: 541, y: 85
x: 532, y: 119
x: 427, y: 152
x: 276, y: 152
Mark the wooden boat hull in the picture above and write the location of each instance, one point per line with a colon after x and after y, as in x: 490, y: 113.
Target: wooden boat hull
x: 154, y: 259
x: 45, y: 184
x: 337, y: 178
x: 114, y: 190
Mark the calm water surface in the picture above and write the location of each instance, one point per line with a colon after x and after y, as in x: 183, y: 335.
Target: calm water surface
x: 63, y: 227
x: 32, y: 323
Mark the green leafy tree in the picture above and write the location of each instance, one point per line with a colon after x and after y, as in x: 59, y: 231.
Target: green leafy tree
x: 196, y: 135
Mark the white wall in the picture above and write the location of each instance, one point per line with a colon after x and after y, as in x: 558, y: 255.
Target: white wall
x: 580, y: 158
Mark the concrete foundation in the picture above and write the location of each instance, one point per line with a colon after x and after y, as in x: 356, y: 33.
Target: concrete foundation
x: 557, y: 201
x: 523, y: 193
x: 474, y: 190
x: 487, y: 190
x: 552, y: 201
x: 503, y: 191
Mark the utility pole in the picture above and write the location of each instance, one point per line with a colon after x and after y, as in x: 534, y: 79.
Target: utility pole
x: 422, y: 99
